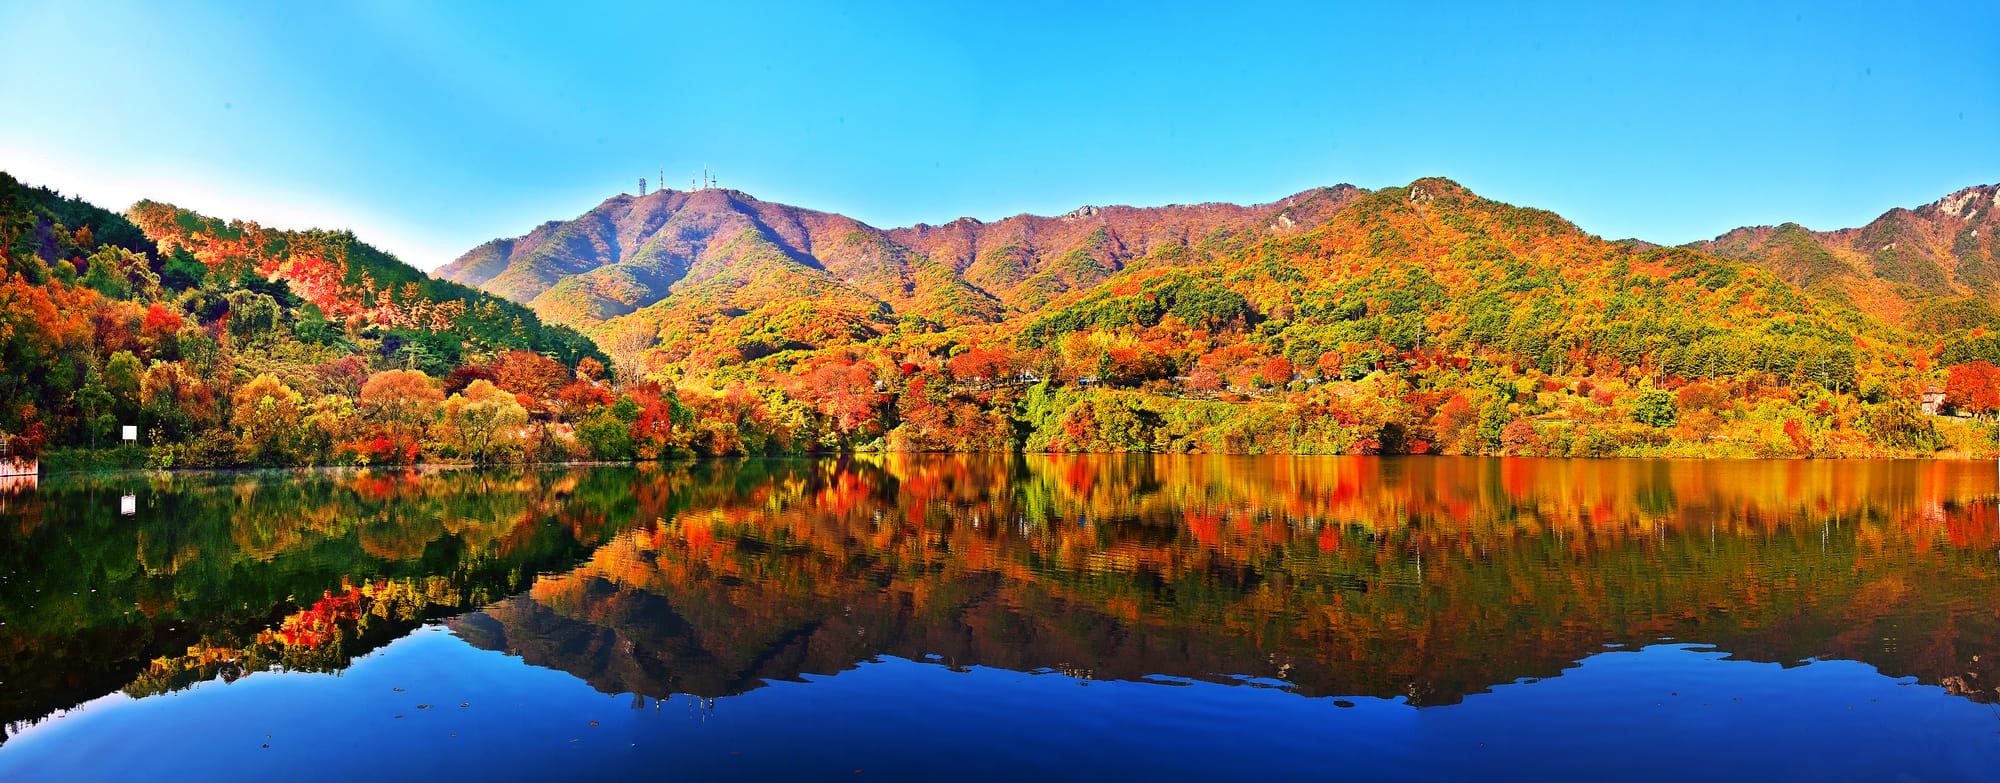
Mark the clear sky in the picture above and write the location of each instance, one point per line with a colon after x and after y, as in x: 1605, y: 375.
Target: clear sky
x: 429, y: 128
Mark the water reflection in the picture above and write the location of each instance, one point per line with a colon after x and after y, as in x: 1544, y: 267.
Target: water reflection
x: 1421, y: 579
x: 1424, y: 579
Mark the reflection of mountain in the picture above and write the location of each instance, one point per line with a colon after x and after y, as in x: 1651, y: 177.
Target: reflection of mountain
x: 640, y: 643
x: 1428, y: 579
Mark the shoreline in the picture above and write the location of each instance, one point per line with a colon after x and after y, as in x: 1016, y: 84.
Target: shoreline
x: 438, y: 467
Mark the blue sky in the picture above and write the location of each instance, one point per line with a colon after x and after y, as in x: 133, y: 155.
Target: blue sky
x: 429, y: 128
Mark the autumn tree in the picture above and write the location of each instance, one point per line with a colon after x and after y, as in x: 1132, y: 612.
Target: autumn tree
x: 483, y: 421
x: 402, y: 403
x: 159, y: 331
x: 980, y: 365
x: 1701, y: 396
x: 401, y: 398
x: 1276, y: 371
x: 1973, y: 387
x: 456, y: 380
x: 526, y: 372
x: 590, y: 370
x: 579, y: 398
x: 664, y: 426
x: 329, y: 422
x: 1204, y: 380
x: 846, y: 393
x: 1454, y: 423
x: 175, y: 401
x: 345, y: 375
x: 1519, y: 438
x: 268, y: 418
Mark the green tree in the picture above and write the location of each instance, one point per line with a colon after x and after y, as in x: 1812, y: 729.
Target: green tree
x: 1898, y: 424
x: 94, y: 400
x: 607, y: 434
x: 1493, y: 420
x: 251, y: 313
x: 1656, y: 408
x: 121, y: 380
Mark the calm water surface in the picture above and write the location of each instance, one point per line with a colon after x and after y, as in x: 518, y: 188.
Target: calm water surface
x: 1007, y: 618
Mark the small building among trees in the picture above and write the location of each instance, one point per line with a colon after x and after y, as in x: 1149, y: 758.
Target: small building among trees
x: 1932, y: 400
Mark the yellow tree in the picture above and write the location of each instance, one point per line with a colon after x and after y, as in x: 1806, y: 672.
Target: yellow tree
x: 484, y: 420
x: 401, y: 398
x: 267, y: 417
x: 329, y: 421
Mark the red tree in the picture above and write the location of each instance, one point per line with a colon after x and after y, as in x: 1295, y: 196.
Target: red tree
x: 529, y: 373
x: 846, y: 393
x: 981, y: 365
x: 1973, y: 387
x: 1277, y: 371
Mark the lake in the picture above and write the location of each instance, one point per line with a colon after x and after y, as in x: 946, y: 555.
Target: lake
x: 912, y: 617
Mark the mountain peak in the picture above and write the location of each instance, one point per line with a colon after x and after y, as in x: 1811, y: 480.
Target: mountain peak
x: 1966, y: 202
x: 1438, y: 189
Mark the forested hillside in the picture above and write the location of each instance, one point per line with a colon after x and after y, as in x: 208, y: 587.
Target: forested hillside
x: 1934, y: 269
x: 1419, y: 319
x: 228, y: 343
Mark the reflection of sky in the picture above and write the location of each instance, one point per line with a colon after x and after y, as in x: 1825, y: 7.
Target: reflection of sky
x: 1669, y: 711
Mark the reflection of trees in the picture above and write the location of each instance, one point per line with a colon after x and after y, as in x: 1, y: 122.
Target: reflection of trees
x: 1427, y: 578
x: 323, y: 637
x: 183, y: 590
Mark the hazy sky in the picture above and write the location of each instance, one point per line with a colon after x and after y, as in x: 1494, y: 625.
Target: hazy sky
x: 429, y: 128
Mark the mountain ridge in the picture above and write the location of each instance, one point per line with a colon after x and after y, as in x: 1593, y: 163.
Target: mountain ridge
x: 674, y: 269
x: 472, y: 267
x: 1909, y: 266
x: 602, y: 271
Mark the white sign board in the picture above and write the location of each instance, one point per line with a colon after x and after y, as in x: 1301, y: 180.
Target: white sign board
x: 128, y: 505
x: 131, y: 432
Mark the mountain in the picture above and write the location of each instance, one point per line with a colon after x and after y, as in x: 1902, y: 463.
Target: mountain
x: 1934, y: 268
x: 686, y: 268
x: 1422, y: 318
x: 716, y: 277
